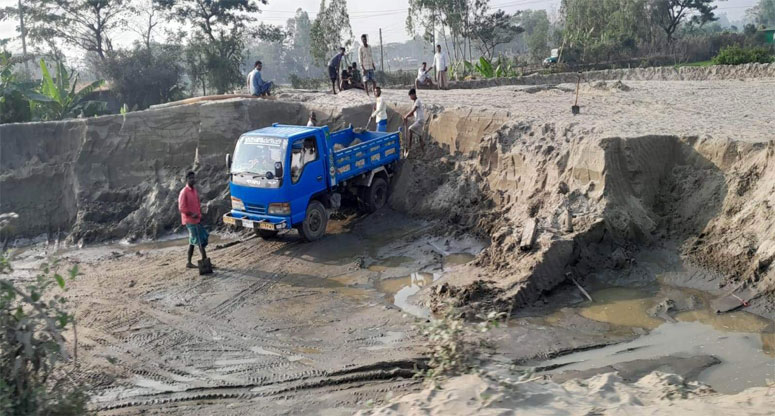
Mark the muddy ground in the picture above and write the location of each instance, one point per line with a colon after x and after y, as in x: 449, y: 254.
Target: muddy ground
x: 282, y: 326
x: 658, y: 187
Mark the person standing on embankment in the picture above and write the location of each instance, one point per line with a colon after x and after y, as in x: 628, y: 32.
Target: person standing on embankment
x: 191, y: 216
x: 440, y: 62
x: 367, y: 64
x: 333, y: 70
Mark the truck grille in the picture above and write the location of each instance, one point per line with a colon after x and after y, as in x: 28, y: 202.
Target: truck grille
x: 255, y: 208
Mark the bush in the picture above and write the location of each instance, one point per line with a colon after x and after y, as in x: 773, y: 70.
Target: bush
x: 14, y: 104
x: 735, y: 55
x: 33, y: 380
x: 308, y: 83
x: 453, y: 347
x: 142, y: 77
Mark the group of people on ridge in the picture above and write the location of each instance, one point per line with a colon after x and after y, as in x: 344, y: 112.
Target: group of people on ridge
x: 351, y: 76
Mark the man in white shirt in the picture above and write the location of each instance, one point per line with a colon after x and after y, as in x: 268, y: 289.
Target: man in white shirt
x: 380, y: 111
x: 250, y: 79
x: 440, y: 62
x: 416, y: 127
x: 367, y: 64
x: 423, y: 79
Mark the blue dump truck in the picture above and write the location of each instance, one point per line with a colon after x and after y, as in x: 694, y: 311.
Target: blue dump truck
x: 284, y: 177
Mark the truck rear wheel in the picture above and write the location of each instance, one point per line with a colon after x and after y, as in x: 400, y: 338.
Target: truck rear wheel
x: 266, y: 234
x: 377, y: 194
x: 314, y: 225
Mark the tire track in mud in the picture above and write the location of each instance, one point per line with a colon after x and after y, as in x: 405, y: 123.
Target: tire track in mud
x: 244, y: 333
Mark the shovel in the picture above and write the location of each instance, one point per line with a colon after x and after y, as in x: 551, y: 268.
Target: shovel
x: 575, y: 107
x: 204, y: 265
x: 367, y: 124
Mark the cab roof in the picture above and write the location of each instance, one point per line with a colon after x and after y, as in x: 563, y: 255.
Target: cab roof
x: 283, y: 131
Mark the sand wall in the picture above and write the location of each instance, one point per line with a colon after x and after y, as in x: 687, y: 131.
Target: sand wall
x: 119, y: 176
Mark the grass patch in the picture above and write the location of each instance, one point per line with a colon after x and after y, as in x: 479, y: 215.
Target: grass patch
x: 696, y: 64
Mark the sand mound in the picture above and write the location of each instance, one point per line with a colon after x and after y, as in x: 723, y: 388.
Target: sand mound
x: 605, y: 394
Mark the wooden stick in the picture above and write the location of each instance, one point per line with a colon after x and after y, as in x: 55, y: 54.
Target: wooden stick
x: 579, y: 286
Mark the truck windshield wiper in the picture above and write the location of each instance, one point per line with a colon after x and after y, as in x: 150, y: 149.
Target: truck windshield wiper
x: 245, y: 172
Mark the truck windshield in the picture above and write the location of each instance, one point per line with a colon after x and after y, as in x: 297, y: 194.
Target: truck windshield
x: 258, y: 155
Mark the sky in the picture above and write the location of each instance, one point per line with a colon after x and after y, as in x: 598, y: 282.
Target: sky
x: 368, y: 16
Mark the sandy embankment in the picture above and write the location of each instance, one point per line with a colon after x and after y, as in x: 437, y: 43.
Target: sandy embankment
x: 655, y: 394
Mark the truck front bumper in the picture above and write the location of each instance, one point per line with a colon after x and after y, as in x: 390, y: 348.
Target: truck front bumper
x: 255, y: 222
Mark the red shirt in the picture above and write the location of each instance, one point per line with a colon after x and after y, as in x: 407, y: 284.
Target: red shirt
x: 188, y: 201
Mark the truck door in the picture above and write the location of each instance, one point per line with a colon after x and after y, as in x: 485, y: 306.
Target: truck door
x: 308, y: 174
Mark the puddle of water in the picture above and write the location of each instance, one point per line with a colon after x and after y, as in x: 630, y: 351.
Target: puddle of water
x: 744, y: 342
x: 623, y: 307
x: 456, y: 259
x: 398, y: 290
x: 390, y: 262
x: 726, y: 322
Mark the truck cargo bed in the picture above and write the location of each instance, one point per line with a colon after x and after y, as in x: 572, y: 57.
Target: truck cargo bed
x: 374, y: 150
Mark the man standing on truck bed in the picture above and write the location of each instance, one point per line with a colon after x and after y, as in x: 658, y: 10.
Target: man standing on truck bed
x: 191, y: 217
x: 367, y: 64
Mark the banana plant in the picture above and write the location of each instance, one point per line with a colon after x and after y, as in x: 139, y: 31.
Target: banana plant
x: 58, y: 98
x: 484, y: 68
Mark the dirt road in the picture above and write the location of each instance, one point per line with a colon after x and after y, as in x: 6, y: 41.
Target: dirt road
x: 281, y: 327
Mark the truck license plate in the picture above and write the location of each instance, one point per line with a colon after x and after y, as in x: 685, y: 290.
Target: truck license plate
x: 247, y: 224
x: 229, y: 220
x: 266, y: 226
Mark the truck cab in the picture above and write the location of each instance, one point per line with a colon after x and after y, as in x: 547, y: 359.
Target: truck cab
x: 285, y: 177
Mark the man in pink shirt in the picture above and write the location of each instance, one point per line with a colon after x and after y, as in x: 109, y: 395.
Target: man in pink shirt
x: 191, y: 216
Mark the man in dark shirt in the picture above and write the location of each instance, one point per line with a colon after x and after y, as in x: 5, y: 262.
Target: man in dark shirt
x: 333, y: 69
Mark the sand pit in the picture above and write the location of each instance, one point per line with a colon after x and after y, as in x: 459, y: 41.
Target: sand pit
x: 680, y: 166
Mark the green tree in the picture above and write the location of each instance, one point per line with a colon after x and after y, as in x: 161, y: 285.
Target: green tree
x: 14, y: 104
x: 142, y: 77
x: 216, y: 44
x: 491, y: 29
x: 330, y: 30
x: 605, y: 29
x: 84, y: 24
x: 453, y: 16
x: 670, y: 14
x: 763, y: 13
x: 537, y: 31
x: 297, y: 57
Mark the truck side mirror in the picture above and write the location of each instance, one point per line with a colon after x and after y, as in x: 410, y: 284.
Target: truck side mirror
x: 228, y: 162
x: 278, y: 170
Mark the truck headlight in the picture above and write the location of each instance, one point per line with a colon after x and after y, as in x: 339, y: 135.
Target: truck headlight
x: 283, y: 208
x: 237, y: 204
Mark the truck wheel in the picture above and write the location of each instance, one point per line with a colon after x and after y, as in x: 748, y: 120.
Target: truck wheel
x: 314, y: 225
x: 377, y: 194
x: 266, y: 234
